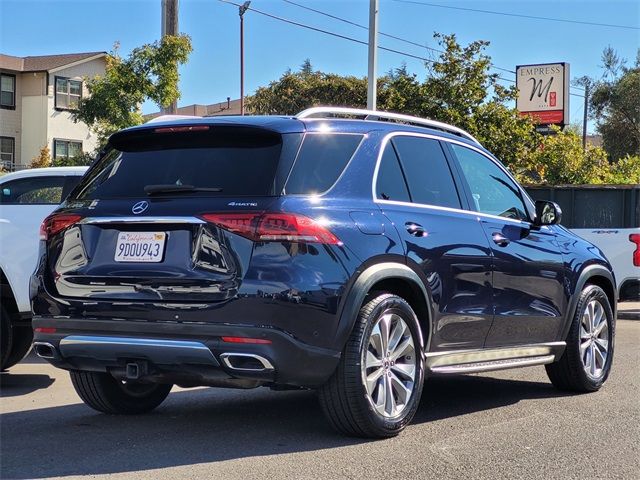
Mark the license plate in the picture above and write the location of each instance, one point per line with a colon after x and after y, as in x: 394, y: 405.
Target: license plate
x: 140, y: 247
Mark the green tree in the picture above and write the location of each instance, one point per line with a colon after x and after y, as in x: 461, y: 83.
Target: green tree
x: 83, y: 159
x: 150, y: 72
x: 559, y: 159
x: 615, y: 104
x: 295, y: 91
x: 458, y: 89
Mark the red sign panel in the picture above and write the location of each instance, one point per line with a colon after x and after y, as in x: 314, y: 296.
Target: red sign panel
x: 546, y: 117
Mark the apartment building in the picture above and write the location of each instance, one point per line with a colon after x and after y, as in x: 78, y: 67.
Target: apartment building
x: 37, y: 98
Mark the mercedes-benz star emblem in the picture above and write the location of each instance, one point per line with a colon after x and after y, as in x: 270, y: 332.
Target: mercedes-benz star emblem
x: 140, y: 207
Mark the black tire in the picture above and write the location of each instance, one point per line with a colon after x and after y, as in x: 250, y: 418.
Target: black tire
x: 22, y: 337
x: 344, y: 398
x: 569, y: 372
x: 104, y: 393
x: 6, y: 338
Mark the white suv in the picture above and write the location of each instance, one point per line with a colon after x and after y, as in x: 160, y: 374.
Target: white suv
x: 26, y: 198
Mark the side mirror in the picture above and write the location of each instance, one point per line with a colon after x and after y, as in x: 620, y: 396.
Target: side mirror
x: 547, y: 213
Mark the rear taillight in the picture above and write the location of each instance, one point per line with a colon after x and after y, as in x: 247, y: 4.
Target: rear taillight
x: 262, y: 341
x: 55, y: 223
x: 635, y: 238
x: 274, y: 227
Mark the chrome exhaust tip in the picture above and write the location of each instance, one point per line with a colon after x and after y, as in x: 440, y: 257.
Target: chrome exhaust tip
x: 246, y: 362
x: 45, y: 350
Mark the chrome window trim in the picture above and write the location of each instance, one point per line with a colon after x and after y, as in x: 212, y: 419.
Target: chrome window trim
x: 391, y: 135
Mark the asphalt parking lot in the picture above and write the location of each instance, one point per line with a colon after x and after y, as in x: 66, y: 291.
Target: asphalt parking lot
x: 510, y: 424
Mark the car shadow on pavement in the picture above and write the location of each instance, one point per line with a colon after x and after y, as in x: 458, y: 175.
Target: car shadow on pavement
x: 446, y: 397
x: 210, y: 425
x: 14, y: 385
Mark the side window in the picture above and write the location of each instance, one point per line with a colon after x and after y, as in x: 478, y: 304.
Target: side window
x: 427, y: 171
x: 390, y: 184
x: 36, y: 190
x: 321, y: 160
x: 492, y: 190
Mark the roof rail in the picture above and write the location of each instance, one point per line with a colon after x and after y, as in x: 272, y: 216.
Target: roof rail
x: 167, y: 118
x: 323, y: 112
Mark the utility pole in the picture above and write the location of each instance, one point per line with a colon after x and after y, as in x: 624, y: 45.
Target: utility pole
x: 587, y: 84
x: 241, y: 11
x: 373, y: 54
x: 169, y: 26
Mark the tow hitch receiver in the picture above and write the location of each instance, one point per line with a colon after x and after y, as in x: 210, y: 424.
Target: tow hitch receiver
x: 136, y: 370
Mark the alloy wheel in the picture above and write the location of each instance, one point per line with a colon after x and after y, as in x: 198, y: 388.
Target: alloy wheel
x: 389, y: 365
x: 594, y: 339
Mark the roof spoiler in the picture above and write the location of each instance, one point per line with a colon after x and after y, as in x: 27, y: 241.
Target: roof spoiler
x: 168, y: 118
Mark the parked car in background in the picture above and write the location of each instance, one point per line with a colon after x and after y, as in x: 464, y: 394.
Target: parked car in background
x: 26, y: 198
x: 351, y: 255
x: 621, y: 246
x: 609, y: 217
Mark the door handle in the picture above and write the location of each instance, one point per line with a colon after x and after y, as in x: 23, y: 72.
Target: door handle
x: 500, y: 239
x: 415, y: 229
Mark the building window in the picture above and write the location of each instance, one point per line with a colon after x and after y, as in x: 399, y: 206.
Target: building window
x: 66, y: 148
x: 68, y: 93
x: 7, y: 153
x: 7, y: 91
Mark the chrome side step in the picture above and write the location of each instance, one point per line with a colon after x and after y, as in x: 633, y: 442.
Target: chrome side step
x: 485, y: 360
x: 493, y: 365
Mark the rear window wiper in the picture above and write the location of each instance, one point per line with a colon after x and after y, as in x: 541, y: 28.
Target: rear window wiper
x: 172, y: 188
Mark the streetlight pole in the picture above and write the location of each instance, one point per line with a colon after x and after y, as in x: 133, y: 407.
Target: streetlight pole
x: 373, y: 54
x: 241, y: 11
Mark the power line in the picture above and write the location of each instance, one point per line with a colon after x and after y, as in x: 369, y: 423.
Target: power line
x: 351, y: 39
x: 532, y: 17
x: 326, y: 32
x: 409, y: 42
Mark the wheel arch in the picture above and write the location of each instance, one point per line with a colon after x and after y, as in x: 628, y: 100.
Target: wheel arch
x: 7, y: 296
x: 592, y: 275
x: 391, y: 277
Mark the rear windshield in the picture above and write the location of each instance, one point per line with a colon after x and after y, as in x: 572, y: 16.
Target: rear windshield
x: 223, y: 160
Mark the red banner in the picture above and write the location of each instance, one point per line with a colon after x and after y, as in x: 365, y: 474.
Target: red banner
x: 546, y: 118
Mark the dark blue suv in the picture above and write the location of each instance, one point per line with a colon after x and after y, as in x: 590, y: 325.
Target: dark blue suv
x: 349, y: 251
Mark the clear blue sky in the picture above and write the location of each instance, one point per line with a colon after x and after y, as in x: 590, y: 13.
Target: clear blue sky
x: 60, y: 26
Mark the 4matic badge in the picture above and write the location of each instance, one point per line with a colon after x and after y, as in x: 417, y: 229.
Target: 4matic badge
x: 242, y: 204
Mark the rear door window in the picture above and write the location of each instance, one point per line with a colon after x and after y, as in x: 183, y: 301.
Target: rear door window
x: 224, y: 161
x: 40, y: 190
x: 321, y: 161
x: 427, y: 171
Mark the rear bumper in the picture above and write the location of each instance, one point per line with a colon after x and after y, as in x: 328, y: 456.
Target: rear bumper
x: 181, y: 353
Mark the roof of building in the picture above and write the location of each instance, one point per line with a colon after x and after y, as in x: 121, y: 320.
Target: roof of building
x: 228, y: 107
x: 43, y: 63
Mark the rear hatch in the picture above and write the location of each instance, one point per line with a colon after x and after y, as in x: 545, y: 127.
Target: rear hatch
x: 145, y: 223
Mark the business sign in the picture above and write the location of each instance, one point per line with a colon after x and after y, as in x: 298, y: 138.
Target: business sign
x: 543, y: 92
